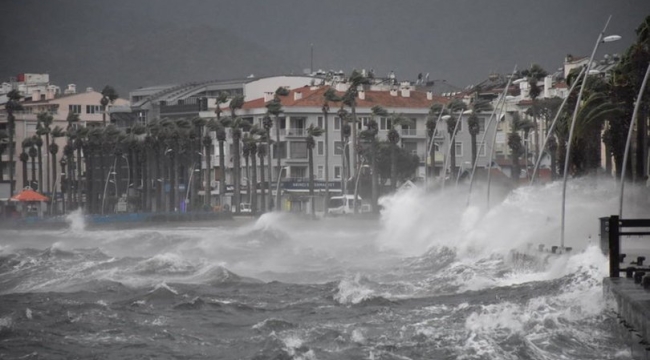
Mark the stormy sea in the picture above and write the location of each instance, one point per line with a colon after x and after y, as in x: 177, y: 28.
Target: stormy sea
x: 432, y: 278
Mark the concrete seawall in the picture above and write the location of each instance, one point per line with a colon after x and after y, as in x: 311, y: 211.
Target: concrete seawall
x: 633, y: 307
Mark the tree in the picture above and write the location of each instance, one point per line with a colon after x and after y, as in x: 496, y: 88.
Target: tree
x: 109, y: 95
x: 328, y: 96
x: 43, y: 127
x: 459, y: 106
x: 369, y: 136
x: 12, y: 105
x: 237, y: 125
x: 267, y: 123
x: 432, y: 126
x: 355, y: 80
x: 274, y: 107
x: 407, y: 163
x: 477, y: 106
x: 393, y: 139
x: 33, y: 153
x: 261, y: 153
x: 534, y: 75
x: 211, y: 126
x: 515, y: 143
x: 53, y: 148
x: 312, y: 132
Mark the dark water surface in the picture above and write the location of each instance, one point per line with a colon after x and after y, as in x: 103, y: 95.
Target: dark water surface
x: 425, y: 282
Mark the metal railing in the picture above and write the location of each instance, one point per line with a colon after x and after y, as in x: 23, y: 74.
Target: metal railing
x: 614, y: 228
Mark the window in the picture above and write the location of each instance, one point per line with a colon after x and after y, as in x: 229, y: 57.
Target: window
x: 481, y: 124
x: 282, y: 150
x: 298, y: 150
x: 93, y: 109
x: 362, y: 121
x: 320, y: 122
x: 321, y: 172
x: 337, y: 172
x: 298, y: 172
x: 384, y: 124
x: 337, y: 123
x: 75, y: 109
x: 459, y: 149
x: 320, y: 148
x: 338, y: 148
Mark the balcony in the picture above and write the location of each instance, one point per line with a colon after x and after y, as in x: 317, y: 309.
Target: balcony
x: 293, y: 132
x: 413, y: 133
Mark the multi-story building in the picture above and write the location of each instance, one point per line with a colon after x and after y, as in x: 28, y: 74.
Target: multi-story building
x: 85, y: 104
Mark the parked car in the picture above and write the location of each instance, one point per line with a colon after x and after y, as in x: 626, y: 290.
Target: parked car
x: 341, y: 205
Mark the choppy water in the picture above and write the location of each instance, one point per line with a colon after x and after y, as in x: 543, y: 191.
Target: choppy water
x: 431, y: 280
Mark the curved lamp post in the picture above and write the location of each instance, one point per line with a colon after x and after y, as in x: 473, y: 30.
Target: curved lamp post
x: 451, y: 143
x: 601, y: 39
x: 487, y: 127
x: 277, y: 188
x: 429, y: 159
x: 110, y: 172
x: 550, y: 129
x: 629, y: 140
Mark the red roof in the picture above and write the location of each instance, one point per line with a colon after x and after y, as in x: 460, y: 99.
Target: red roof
x: 313, y: 97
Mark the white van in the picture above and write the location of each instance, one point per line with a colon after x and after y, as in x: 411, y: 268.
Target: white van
x: 341, y: 205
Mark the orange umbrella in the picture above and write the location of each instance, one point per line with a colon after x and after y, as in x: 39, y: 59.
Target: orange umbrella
x: 29, y: 195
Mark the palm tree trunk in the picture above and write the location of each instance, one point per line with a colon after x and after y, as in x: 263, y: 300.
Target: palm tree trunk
x: 393, y: 166
x: 343, y: 164
x: 277, y: 153
x: 263, y: 207
x: 47, y: 174
x: 34, y: 171
x: 207, y: 192
x: 270, y: 176
x: 41, y: 186
x: 327, y: 162
x: 237, y: 169
x: 78, y: 182
x: 12, y: 148
x: 252, y: 188
x: 222, y: 177
x: 353, y: 145
x: 248, y: 178
x: 312, y: 201
x: 53, y: 191
x: 373, y: 167
x: 474, y: 154
x: 452, y: 161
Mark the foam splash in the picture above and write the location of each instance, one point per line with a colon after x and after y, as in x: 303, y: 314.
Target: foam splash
x: 76, y: 220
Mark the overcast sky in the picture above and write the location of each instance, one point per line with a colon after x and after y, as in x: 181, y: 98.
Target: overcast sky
x: 170, y: 41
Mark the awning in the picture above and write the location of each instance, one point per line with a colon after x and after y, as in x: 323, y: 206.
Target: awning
x: 29, y: 195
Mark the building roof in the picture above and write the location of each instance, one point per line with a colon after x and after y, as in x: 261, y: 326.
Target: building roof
x: 313, y: 97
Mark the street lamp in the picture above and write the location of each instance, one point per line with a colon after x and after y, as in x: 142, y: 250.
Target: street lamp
x: 451, y: 143
x: 277, y: 188
x: 629, y: 140
x: 600, y: 40
x: 428, y: 156
x: 110, y: 172
x: 128, y: 173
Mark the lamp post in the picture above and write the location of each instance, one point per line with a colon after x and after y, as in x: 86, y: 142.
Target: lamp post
x: 356, y: 184
x: 629, y: 140
x: 128, y: 174
x: 451, y: 143
x: 601, y: 39
x: 487, y: 127
x: 277, y: 188
x: 431, y: 146
x: 63, y: 163
x: 550, y: 129
x: 110, y: 172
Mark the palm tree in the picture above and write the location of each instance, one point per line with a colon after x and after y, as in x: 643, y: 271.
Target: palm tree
x: 237, y: 125
x: 515, y: 143
x: 345, y: 135
x: 370, y: 136
x: 109, y: 95
x: 312, y: 131
x: 267, y: 123
x: 53, y: 149
x: 246, y: 153
x: 12, y: 105
x: 26, y: 145
x: 432, y: 125
x: 274, y: 107
x: 221, y: 138
x: 33, y: 154
x: 393, y: 139
x: 210, y: 126
x: 45, y: 121
x: 452, y: 129
x: 261, y: 153
x: 328, y: 96
x: 91, y: 147
x: 534, y: 75
x: 477, y: 106
x: 356, y: 79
